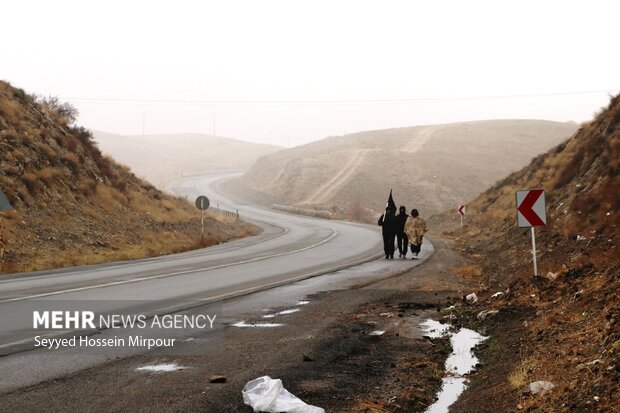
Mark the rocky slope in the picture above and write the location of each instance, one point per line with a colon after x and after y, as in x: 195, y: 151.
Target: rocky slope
x: 72, y: 205
x: 568, y: 330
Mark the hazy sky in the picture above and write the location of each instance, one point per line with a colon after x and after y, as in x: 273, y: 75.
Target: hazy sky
x: 292, y: 71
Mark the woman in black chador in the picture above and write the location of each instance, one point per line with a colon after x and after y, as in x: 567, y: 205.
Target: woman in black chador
x: 401, y: 238
x: 388, y: 223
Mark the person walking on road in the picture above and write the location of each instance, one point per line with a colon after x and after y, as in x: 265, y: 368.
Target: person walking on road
x: 415, y: 228
x: 401, y: 238
x: 387, y: 222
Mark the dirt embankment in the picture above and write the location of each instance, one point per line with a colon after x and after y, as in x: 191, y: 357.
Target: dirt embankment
x: 74, y: 206
x: 562, y: 326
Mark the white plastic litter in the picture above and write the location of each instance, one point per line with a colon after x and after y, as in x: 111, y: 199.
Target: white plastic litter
x: 497, y: 294
x: 472, y: 298
x: 268, y: 395
x: 486, y: 313
x: 541, y: 386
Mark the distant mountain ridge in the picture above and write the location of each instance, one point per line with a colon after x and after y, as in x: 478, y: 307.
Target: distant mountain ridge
x: 432, y: 167
x: 162, y: 159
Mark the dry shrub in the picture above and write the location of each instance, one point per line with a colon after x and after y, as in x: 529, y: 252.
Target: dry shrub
x: 72, y: 159
x: 49, y: 153
x: 11, y: 170
x: 370, y: 406
x: 32, y: 182
x: 106, y: 193
x: 167, y: 204
x: 10, y: 109
x: 470, y: 271
x: 519, y: 377
x: 13, y: 215
x: 19, y: 156
x: 87, y: 187
x: 48, y: 175
x: 72, y: 143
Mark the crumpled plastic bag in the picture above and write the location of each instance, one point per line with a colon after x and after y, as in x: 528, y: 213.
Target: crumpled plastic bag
x: 268, y: 395
x: 541, y: 386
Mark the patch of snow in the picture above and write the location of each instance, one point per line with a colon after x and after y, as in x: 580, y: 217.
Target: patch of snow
x: 302, y: 302
x: 289, y: 311
x: 434, y: 329
x: 461, y: 362
x: 159, y: 368
x: 283, y: 312
x: 376, y: 333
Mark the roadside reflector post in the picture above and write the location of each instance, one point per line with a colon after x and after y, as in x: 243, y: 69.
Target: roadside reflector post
x: 531, y: 212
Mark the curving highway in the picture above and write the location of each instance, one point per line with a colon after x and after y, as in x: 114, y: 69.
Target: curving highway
x: 290, y: 248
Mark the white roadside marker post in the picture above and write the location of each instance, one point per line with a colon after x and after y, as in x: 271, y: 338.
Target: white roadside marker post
x: 534, y: 251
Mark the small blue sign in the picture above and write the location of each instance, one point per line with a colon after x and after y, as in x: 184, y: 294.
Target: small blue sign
x: 5, y: 205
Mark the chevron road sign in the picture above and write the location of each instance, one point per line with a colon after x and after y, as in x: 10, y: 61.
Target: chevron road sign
x: 461, y: 213
x: 531, y: 208
x: 531, y: 213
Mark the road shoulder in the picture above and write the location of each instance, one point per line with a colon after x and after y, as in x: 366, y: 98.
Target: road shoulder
x: 350, y: 369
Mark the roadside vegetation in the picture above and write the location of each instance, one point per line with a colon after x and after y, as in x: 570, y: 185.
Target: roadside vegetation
x: 73, y: 205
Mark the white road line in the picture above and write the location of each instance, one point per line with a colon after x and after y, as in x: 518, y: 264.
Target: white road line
x: 153, y: 277
x: 203, y: 252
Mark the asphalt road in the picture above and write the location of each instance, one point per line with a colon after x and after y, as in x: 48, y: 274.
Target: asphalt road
x: 290, y: 248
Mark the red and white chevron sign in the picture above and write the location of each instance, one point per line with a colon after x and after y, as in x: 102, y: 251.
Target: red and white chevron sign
x: 462, y: 210
x: 531, y: 208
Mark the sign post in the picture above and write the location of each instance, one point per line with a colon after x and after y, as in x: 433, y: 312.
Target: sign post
x: 202, y: 203
x: 531, y: 213
x: 462, y: 213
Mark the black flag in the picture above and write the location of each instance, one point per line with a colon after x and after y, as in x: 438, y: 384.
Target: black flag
x: 390, y: 202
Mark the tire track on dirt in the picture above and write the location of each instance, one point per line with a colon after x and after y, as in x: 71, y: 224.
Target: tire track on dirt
x: 331, y: 186
x: 422, y: 137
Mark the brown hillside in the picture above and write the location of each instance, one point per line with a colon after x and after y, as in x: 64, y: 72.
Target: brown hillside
x: 430, y: 167
x: 72, y: 205
x: 571, y: 331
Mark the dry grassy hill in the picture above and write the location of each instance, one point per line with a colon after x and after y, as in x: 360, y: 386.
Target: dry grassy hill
x: 564, y: 325
x: 430, y: 167
x: 72, y: 205
x: 162, y: 159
